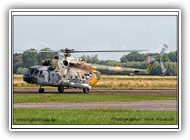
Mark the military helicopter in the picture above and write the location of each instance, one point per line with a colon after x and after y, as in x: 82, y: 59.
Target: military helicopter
x: 65, y: 71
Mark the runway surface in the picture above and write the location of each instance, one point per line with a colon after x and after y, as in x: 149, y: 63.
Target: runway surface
x: 140, y: 105
x: 93, y: 91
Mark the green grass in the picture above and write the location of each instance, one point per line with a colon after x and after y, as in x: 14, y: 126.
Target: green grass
x: 99, y: 116
x: 43, y: 98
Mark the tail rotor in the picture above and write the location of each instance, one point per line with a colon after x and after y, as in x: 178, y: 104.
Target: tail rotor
x: 152, y: 59
x: 164, y: 70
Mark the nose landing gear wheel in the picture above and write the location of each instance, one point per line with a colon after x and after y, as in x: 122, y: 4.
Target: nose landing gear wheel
x: 61, y: 89
x: 86, y: 90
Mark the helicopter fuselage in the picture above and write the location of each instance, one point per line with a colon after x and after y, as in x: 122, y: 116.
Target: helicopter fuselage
x: 65, y: 78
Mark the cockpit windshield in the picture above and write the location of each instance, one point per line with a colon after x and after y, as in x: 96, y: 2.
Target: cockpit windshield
x: 26, y: 71
x: 31, y: 71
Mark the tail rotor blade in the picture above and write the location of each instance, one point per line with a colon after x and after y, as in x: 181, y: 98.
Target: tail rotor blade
x: 164, y: 47
x: 164, y: 70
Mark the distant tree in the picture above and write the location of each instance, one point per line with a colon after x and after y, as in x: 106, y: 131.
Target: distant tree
x: 91, y: 59
x: 45, y: 53
x: 133, y: 56
x: 103, y: 62
x: 112, y: 63
x: 95, y: 59
x: 143, y: 65
x: 21, y: 70
x: 171, y: 68
x: 165, y: 58
x: 17, y: 61
x: 30, y: 58
x: 173, y: 56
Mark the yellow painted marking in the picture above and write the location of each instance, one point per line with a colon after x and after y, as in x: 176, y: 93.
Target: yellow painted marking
x: 90, y: 68
x: 94, y: 80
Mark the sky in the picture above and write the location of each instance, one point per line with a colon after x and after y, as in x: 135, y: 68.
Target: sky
x: 95, y: 33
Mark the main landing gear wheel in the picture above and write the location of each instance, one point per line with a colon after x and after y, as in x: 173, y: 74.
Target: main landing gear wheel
x: 41, y: 90
x: 86, y: 90
x: 61, y: 89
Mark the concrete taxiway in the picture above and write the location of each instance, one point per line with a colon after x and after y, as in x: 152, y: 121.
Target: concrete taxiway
x: 134, y: 105
x: 137, y: 105
x: 94, y: 91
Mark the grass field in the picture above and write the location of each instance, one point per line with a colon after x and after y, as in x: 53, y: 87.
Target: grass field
x: 92, y: 116
x: 98, y: 116
x: 121, y: 82
x: 43, y: 98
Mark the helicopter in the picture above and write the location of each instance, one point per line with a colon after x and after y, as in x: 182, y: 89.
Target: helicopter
x: 65, y: 71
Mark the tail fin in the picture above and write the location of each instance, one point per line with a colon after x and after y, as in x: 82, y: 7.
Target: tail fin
x: 151, y: 60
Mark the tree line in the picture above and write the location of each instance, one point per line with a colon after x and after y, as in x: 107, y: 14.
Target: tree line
x: 30, y: 57
x: 22, y: 61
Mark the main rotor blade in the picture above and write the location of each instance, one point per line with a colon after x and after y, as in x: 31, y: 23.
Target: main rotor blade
x: 108, y: 51
x: 48, y: 51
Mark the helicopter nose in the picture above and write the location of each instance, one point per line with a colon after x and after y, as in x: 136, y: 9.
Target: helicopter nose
x: 29, y: 79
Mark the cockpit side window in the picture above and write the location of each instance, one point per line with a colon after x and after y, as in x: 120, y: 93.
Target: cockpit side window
x: 36, y: 72
x: 40, y: 73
